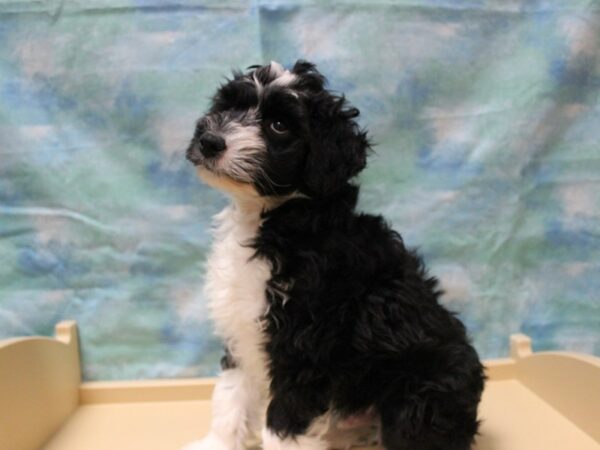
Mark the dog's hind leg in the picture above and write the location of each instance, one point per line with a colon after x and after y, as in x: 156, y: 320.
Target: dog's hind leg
x: 436, y: 407
x: 398, y: 431
x: 233, y: 403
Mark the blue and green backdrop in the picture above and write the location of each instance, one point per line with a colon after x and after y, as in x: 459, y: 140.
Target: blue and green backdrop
x: 486, y: 116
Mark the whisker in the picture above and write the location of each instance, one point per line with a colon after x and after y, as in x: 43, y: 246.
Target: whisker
x: 247, y: 166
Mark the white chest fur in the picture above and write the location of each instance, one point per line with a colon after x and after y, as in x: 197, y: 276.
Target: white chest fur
x: 235, y: 288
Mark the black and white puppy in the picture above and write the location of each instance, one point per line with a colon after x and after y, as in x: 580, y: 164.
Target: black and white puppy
x: 323, y: 309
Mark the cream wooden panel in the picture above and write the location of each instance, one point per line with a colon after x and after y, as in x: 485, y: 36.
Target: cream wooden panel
x: 39, y: 382
x: 542, y: 401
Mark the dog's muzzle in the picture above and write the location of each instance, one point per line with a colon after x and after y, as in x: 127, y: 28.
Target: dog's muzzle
x: 207, y: 147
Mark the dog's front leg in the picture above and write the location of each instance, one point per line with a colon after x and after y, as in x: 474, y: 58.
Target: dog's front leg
x: 233, y: 407
x: 296, y: 421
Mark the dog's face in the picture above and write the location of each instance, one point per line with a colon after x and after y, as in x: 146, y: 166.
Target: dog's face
x: 273, y: 132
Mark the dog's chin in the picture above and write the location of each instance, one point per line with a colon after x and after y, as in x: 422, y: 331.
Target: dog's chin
x: 226, y: 184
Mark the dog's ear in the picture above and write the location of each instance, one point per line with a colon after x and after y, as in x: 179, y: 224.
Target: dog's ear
x: 337, y: 148
x: 309, y: 78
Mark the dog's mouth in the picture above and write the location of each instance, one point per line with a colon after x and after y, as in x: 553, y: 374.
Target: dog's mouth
x: 209, y: 167
x: 194, y: 156
x: 224, y: 182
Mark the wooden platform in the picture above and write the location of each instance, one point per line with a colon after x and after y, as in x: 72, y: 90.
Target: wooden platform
x: 545, y: 401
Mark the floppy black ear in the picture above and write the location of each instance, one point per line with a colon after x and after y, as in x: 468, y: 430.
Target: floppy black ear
x: 338, y: 148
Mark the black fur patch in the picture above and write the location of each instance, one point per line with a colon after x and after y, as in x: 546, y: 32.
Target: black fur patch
x: 239, y: 93
x: 354, y: 322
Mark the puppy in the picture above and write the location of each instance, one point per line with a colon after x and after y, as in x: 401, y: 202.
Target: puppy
x: 323, y: 310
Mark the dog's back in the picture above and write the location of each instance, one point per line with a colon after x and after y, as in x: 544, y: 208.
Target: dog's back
x: 365, y: 327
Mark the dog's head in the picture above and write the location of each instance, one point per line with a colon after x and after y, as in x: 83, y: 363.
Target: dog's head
x: 273, y: 132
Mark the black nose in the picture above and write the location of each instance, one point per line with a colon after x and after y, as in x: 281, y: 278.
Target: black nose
x: 211, y: 144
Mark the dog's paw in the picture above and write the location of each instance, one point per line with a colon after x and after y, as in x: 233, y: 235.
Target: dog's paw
x: 210, y: 442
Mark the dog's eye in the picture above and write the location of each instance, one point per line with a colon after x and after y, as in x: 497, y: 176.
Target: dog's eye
x: 279, y: 127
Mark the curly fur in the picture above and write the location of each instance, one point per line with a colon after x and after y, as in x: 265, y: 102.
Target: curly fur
x: 348, y: 319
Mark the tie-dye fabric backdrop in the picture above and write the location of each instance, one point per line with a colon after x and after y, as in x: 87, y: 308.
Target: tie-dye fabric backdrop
x: 486, y: 115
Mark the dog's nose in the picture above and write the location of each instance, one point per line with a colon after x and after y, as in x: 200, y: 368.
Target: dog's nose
x: 211, y: 144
